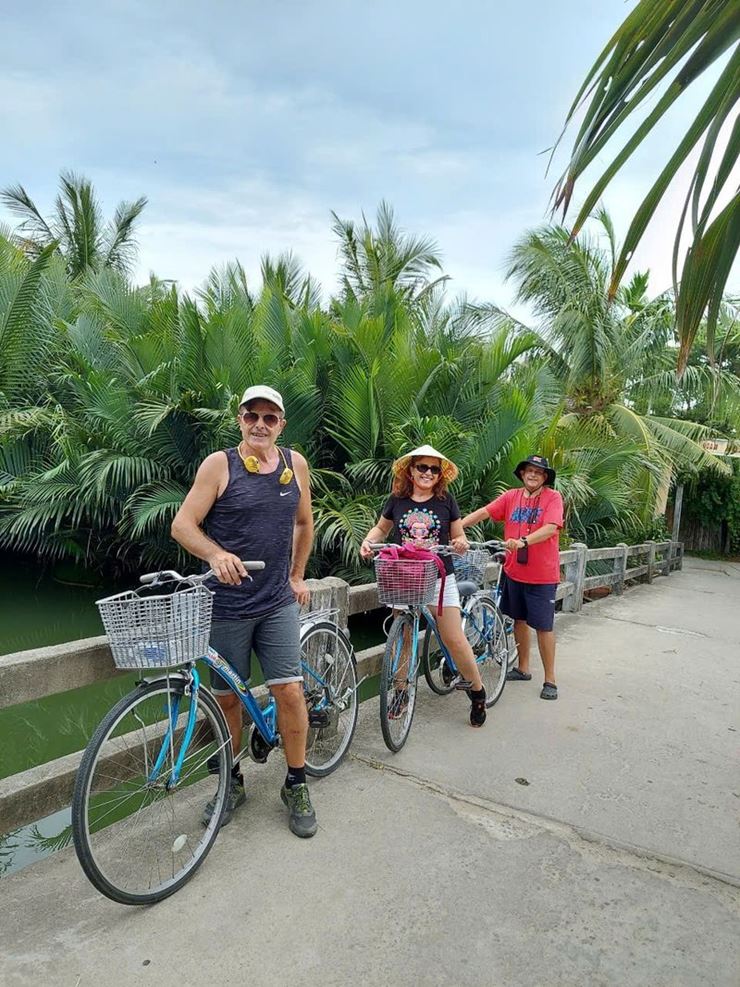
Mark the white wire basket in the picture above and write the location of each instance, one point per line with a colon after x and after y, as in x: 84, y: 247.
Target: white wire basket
x: 157, y: 631
x: 405, y: 582
x: 471, y: 565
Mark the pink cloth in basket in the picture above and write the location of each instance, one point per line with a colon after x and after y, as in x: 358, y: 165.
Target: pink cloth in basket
x: 410, y: 553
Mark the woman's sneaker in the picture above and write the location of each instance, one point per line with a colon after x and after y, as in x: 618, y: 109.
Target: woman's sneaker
x: 478, y: 711
x: 235, y: 797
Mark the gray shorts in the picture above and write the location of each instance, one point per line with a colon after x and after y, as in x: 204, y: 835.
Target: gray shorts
x: 275, y: 639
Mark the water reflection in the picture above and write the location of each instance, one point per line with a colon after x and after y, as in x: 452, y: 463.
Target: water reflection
x: 28, y: 844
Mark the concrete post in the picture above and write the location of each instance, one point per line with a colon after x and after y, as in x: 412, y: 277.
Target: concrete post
x: 620, y: 567
x: 677, y: 503
x: 666, y: 564
x: 330, y: 593
x: 575, y: 573
x: 651, y: 561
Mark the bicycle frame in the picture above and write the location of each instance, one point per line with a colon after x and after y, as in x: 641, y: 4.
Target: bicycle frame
x: 264, y: 718
x: 417, y: 612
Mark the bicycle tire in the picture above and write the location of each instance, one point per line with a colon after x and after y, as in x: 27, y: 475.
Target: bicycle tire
x: 432, y: 663
x: 484, y: 628
x: 340, y: 675
x: 394, y: 727
x: 511, y: 645
x: 109, y: 775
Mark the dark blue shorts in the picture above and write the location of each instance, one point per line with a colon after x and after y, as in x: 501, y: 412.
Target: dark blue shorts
x: 533, y: 602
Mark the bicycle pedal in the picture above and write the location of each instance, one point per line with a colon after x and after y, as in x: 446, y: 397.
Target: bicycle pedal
x: 318, y: 718
x: 461, y: 684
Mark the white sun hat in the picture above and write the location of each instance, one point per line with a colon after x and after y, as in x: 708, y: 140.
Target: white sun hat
x: 265, y: 393
x: 449, y: 470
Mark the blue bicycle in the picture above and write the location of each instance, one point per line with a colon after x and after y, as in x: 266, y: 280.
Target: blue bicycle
x: 409, y: 587
x: 164, y: 750
x: 470, y: 570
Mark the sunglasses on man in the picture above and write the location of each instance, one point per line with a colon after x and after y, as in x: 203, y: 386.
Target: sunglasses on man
x: 252, y: 417
x: 424, y: 468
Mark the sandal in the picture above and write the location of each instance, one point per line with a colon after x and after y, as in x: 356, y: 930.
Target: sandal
x: 514, y: 675
x: 549, y: 691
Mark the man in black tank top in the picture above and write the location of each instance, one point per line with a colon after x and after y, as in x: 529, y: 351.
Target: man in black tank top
x: 253, y: 502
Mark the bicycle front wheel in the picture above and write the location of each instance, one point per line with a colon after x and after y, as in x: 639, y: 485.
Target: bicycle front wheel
x: 398, y: 680
x: 330, y: 686
x: 139, y: 836
x: 484, y: 628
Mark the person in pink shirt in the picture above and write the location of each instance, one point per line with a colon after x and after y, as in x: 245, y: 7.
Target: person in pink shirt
x: 532, y: 516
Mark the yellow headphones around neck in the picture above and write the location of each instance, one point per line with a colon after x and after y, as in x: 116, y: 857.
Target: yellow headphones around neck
x: 252, y: 465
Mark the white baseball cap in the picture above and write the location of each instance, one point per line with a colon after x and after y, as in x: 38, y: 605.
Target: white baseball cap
x: 265, y: 393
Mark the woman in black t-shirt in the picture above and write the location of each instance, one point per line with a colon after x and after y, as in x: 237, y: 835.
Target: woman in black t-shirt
x: 422, y: 513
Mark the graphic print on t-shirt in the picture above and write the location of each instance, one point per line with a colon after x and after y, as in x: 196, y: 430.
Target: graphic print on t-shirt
x: 527, y: 515
x: 420, y: 526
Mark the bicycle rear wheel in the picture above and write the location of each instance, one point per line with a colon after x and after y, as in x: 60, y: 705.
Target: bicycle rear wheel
x: 138, y: 839
x: 438, y: 675
x: 330, y: 685
x: 484, y: 628
x: 398, y: 681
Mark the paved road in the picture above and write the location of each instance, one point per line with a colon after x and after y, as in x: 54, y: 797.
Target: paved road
x: 618, y: 862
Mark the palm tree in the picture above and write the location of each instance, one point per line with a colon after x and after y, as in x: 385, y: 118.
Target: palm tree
x: 612, y: 360
x: 77, y: 228
x: 669, y: 44
x: 385, y: 258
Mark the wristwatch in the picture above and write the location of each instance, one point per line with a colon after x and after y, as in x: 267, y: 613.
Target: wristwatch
x: 524, y: 539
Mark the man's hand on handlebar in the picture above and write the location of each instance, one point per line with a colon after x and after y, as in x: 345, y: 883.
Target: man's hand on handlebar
x: 227, y: 567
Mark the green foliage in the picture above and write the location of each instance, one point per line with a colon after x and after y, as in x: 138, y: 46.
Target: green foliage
x: 111, y: 394
x: 713, y: 500
x: 77, y: 229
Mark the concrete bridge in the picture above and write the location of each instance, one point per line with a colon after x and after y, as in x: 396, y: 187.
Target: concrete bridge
x: 589, y: 841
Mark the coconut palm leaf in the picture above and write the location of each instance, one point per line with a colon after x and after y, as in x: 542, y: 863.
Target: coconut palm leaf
x: 685, y: 37
x: 25, y: 327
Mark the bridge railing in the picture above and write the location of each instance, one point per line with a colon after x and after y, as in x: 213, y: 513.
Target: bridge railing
x: 31, y: 675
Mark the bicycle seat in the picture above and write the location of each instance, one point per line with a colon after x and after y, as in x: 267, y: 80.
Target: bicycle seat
x: 467, y: 587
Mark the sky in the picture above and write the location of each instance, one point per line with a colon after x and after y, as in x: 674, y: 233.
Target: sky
x: 247, y: 124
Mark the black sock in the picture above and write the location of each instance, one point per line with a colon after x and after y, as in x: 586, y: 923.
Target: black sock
x: 236, y: 773
x: 477, y: 696
x: 295, y: 776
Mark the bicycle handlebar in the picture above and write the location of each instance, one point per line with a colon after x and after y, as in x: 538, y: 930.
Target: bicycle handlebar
x: 493, y: 545
x: 167, y: 575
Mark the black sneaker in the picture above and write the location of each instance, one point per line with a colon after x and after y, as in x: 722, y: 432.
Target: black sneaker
x: 235, y: 797
x: 302, y: 820
x: 478, y: 712
x: 399, y: 704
